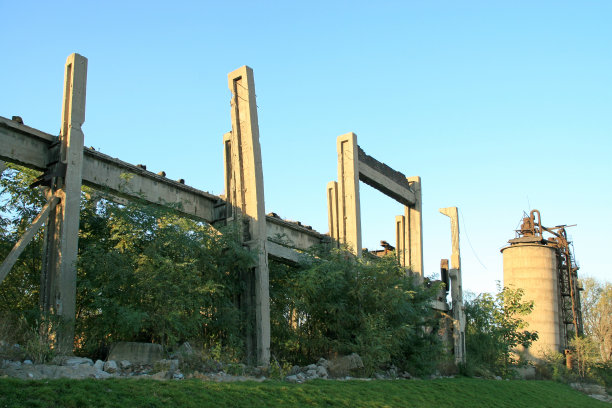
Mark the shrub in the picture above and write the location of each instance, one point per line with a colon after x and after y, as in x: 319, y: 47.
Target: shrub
x: 335, y: 304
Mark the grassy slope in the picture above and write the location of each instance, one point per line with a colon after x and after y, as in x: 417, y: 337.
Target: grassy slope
x: 460, y: 392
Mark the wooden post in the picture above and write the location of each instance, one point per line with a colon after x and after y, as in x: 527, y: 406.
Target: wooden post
x: 58, y: 278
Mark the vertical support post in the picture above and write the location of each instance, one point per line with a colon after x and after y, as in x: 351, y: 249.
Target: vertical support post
x: 456, y: 286
x: 58, y: 279
x: 349, y: 213
x: 245, y: 193
x: 414, y: 231
x: 332, y: 212
x: 400, y: 239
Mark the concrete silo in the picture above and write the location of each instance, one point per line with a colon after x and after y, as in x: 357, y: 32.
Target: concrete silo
x: 544, y: 268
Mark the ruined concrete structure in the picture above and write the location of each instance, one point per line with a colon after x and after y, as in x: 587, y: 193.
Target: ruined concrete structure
x: 545, y: 269
x: 66, y: 165
x: 343, y: 206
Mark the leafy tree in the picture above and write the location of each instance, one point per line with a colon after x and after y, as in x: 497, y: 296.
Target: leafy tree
x: 495, y: 328
x: 596, y: 300
x: 144, y: 274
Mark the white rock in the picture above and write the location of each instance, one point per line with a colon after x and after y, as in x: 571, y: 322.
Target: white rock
x: 312, y: 373
x: 110, y: 366
x: 76, y: 361
x: 102, y: 375
x: 322, y: 371
x: 27, y: 362
x: 125, y: 364
x: 292, y: 378
x: 99, y: 365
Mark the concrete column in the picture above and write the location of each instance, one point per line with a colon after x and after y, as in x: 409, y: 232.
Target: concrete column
x: 349, y: 214
x: 245, y: 193
x: 456, y: 286
x: 58, y: 279
x: 332, y: 211
x: 414, y: 231
x: 400, y: 239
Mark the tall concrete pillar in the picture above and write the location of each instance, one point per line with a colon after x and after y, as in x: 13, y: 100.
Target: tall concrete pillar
x: 245, y: 196
x: 414, y: 230
x: 332, y: 211
x: 456, y: 286
x: 58, y: 277
x: 349, y: 214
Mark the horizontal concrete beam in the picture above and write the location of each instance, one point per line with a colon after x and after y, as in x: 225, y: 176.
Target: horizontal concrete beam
x: 30, y: 147
x: 386, y: 180
x: 292, y: 235
x: 24, y: 145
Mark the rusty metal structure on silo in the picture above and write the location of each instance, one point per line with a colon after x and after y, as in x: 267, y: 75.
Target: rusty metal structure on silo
x: 540, y: 261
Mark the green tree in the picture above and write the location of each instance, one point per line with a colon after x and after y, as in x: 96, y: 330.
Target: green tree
x: 334, y: 303
x: 495, y: 328
x: 596, y: 300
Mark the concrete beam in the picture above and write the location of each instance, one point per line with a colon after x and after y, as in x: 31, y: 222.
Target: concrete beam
x: 31, y: 148
x: 386, y: 180
x: 27, y: 236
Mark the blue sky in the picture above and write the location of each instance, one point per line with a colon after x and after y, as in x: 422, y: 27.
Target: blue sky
x: 500, y: 107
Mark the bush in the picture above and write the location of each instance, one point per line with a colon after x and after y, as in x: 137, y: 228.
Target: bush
x: 494, y: 329
x: 335, y: 304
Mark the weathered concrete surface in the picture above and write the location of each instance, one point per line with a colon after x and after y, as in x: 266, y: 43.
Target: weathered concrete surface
x: 32, y: 148
x: 332, y: 211
x: 140, y: 353
x: 388, y: 181
x: 414, y: 230
x: 245, y: 197
x: 58, y: 276
x: 533, y: 268
x: 456, y: 286
x: 349, y: 212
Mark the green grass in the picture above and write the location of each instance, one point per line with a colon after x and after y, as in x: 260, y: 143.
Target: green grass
x: 458, y: 392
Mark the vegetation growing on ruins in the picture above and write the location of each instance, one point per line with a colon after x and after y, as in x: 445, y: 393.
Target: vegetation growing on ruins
x: 336, y: 304
x: 145, y: 274
x: 148, y: 275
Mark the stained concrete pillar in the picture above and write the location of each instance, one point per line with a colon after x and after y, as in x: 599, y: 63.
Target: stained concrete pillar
x: 400, y: 239
x: 456, y: 286
x: 245, y: 197
x: 58, y: 277
x: 332, y: 211
x: 349, y: 214
x: 414, y: 230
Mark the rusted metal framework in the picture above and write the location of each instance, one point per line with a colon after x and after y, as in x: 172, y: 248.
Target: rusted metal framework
x: 567, y: 272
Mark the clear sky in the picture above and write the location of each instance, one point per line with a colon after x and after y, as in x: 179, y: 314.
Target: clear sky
x: 500, y: 107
